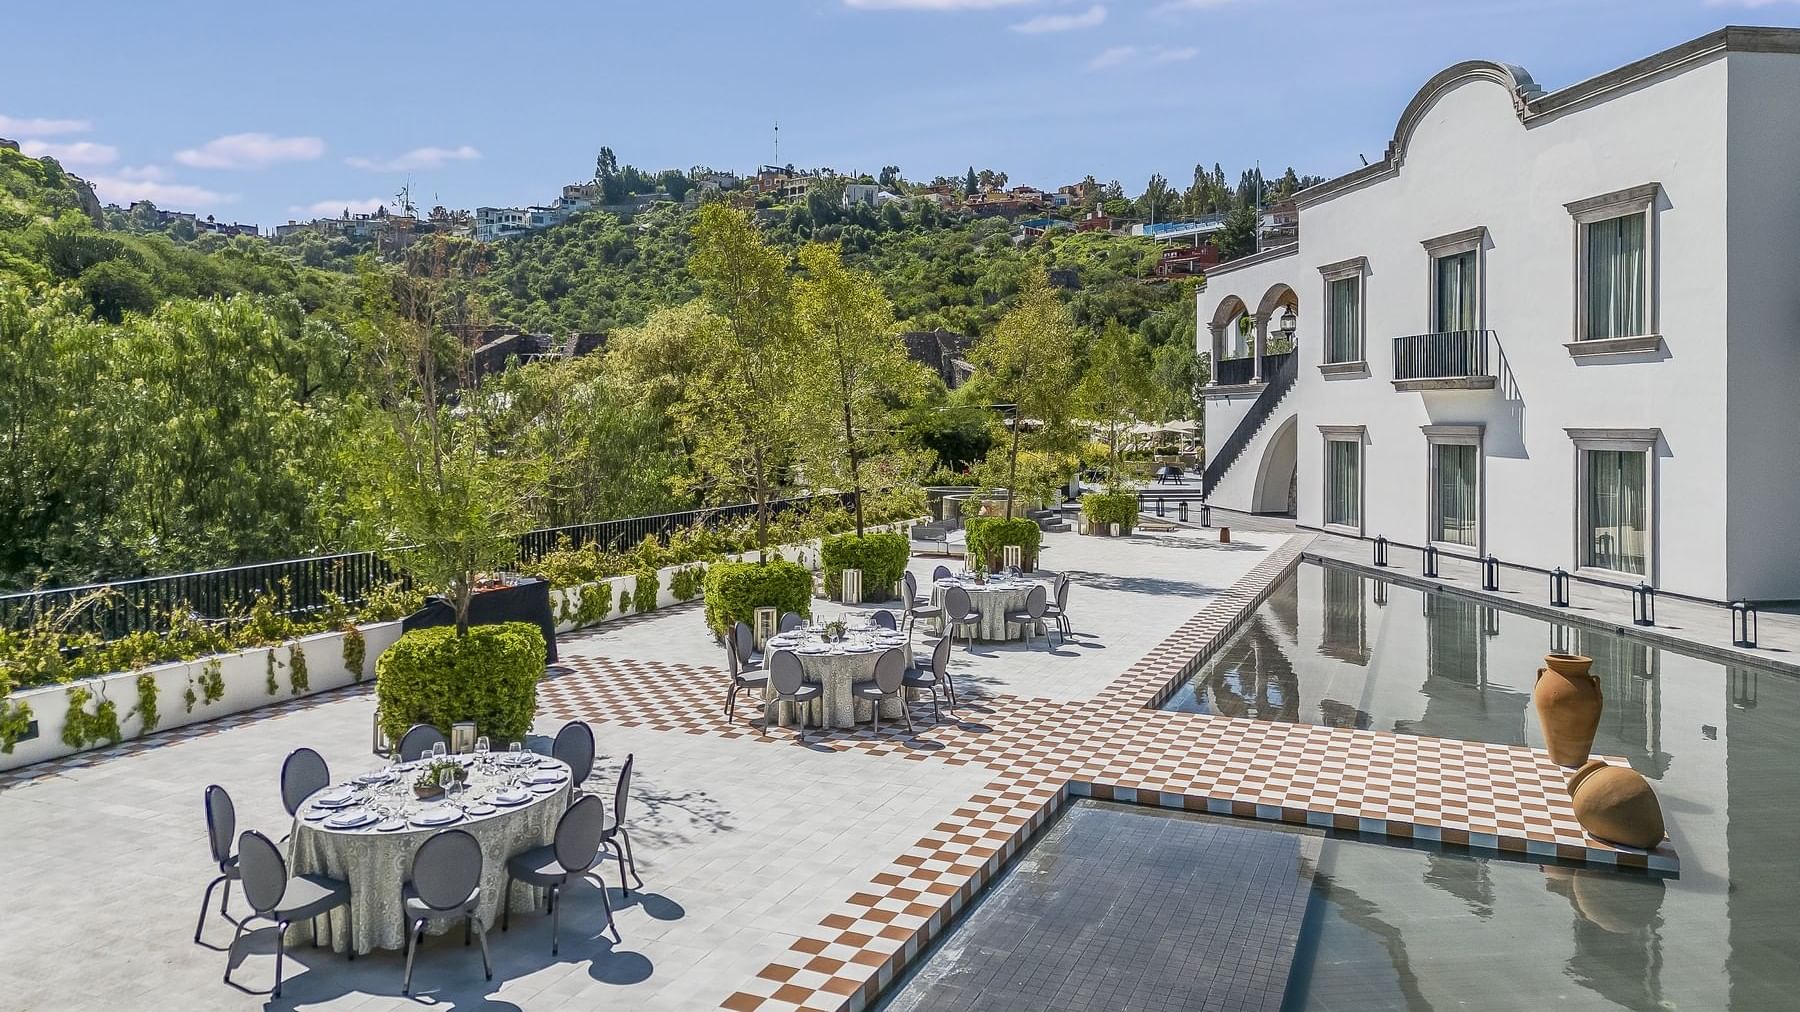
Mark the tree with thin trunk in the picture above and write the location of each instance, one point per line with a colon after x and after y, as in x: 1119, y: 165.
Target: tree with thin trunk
x: 1117, y: 390
x: 853, y: 367
x: 736, y: 413
x: 1027, y: 364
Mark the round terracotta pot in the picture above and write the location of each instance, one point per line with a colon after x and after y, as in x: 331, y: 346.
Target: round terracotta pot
x: 1617, y: 805
x: 1568, y: 703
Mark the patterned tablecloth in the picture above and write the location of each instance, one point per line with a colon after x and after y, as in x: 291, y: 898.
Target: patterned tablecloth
x: 836, y: 671
x: 993, y: 601
x: 377, y: 861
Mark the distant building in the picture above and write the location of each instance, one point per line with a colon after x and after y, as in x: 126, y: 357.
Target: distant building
x: 861, y: 193
x: 1037, y: 227
x: 495, y: 223
x: 1096, y: 222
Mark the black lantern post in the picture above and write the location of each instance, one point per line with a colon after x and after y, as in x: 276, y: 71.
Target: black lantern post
x: 1381, y: 551
x: 1431, y: 561
x: 1643, y: 604
x: 1743, y: 624
x: 1490, y: 573
x: 1559, y: 587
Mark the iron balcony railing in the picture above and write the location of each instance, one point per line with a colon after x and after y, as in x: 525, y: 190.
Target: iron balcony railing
x: 143, y: 604
x: 1281, y: 371
x: 1453, y: 354
x: 1233, y: 371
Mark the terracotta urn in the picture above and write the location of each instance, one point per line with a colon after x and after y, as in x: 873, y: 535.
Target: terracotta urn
x: 1568, y: 703
x: 1616, y: 804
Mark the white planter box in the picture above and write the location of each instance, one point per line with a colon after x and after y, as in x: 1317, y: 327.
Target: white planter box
x: 245, y: 677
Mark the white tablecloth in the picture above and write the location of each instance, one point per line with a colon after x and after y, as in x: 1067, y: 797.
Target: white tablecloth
x: 993, y: 601
x: 378, y: 864
x: 836, y: 672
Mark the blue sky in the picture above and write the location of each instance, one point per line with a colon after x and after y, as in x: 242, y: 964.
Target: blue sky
x: 269, y: 110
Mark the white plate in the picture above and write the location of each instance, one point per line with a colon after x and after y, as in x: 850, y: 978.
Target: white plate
x: 859, y: 650
x: 547, y: 777
x: 481, y: 809
x: 340, y: 799
x: 512, y: 797
x: 390, y: 825
x: 545, y: 788
x: 378, y: 777
x: 350, y: 819
x: 813, y: 651
x: 439, y: 816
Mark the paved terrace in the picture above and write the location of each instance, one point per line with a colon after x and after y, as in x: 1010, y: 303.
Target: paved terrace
x: 779, y: 875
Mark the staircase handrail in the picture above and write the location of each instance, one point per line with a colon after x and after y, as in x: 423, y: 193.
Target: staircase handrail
x: 1286, y: 371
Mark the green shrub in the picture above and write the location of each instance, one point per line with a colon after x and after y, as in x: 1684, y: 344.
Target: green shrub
x: 81, y: 728
x: 734, y: 590
x: 146, y: 705
x: 988, y: 536
x: 212, y: 681
x: 644, y: 598
x: 1111, y: 508
x: 391, y: 601
x: 490, y: 676
x: 356, y: 649
x: 596, y: 603
x: 881, y: 557
x: 688, y: 582
x: 15, y: 720
x: 270, y: 684
x: 298, y: 681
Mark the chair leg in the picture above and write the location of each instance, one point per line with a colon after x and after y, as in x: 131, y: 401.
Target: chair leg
x: 630, y: 858
x: 619, y: 852
x: 349, y: 932
x: 906, y: 710
x: 280, y: 951
x: 487, y: 968
x: 239, y: 933
x: 468, y: 931
x: 607, y: 905
x: 413, y: 931
x: 205, y: 902
x: 878, y: 717
x: 555, y: 924
x: 934, y: 705
x: 506, y: 905
x: 225, y: 897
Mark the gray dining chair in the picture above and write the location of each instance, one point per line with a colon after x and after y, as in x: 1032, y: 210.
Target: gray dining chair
x: 917, y: 607
x: 932, y: 677
x: 889, y: 683
x: 959, y: 613
x: 741, y: 681
x: 744, y: 640
x: 884, y: 619
x: 574, y: 745
x: 273, y: 896
x: 615, y: 836
x: 570, y: 854
x: 788, y: 680
x: 791, y: 621
x: 417, y: 741
x: 446, y: 882
x: 1059, y: 609
x: 221, y: 833
x: 1031, y: 617
x: 303, y: 774
x: 941, y: 573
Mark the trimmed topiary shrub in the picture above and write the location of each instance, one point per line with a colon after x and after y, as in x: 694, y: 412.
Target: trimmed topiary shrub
x: 1104, y: 508
x: 432, y: 676
x: 734, y: 590
x: 988, y: 536
x: 881, y: 557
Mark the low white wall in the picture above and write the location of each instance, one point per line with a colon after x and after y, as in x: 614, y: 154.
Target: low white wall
x: 244, y: 675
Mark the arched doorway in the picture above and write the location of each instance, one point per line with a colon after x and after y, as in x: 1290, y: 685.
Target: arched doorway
x: 1275, y: 474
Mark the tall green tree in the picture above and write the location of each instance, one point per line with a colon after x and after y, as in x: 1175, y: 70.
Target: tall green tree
x: 853, y: 367
x: 1116, y: 392
x: 1027, y: 362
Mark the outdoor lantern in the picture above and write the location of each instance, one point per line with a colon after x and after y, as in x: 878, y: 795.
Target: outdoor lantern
x: 1490, y: 621
x: 1559, y: 587
x: 1490, y: 573
x: 1013, y: 557
x: 1181, y: 511
x: 1205, y: 514
x: 1160, y: 506
x: 850, y: 586
x: 1643, y: 604
x: 462, y: 737
x: 381, y: 744
x: 1743, y: 624
x: 1381, y: 547
x: 1430, y: 561
x: 763, y: 625
x: 1286, y: 327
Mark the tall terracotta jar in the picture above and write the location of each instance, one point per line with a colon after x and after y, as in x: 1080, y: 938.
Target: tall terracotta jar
x: 1568, y: 703
x: 1616, y: 804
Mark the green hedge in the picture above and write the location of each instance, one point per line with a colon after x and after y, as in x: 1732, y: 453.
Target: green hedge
x: 987, y: 536
x: 734, y: 590
x: 1111, y: 508
x: 881, y: 557
x: 432, y: 676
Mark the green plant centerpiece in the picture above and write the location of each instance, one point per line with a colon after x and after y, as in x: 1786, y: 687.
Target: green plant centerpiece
x: 430, y: 781
x: 834, y: 628
x: 881, y: 557
x: 1117, y: 507
x: 989, y: 536
x: 734, y: 590
x: 489, y: 676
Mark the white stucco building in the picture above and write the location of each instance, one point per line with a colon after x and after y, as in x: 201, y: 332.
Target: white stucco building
x: 1561, y: 328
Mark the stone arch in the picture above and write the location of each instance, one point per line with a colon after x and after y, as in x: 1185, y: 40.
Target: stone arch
x: 1273, y: 491
x: 1230, y: 308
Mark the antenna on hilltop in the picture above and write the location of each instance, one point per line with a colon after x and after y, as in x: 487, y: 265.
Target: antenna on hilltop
x: 777, y: 159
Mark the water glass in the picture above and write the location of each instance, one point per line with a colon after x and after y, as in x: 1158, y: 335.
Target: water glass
x: 514, y: 751
x: 439, y: 750
x: 447, y: 780
x: 481, y: 750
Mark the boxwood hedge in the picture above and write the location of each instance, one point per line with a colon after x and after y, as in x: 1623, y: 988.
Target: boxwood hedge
x: 881, y: 557
x: 432, y: 676
x: 988, y: 537
x: 1111, y: 508
x: 734, y: 590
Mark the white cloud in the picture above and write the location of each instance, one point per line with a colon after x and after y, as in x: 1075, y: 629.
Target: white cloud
x: 1094, y: 16
x: 75, y: 153
x: 1180, y: 55
x: 122, y: 189
x: 333, y: 208
x: 933, y: 5
x: 250, y: 151
x: 1174, y: 6
x: 417, y: 158
x: 27, y: 126
x: 1113, y: 57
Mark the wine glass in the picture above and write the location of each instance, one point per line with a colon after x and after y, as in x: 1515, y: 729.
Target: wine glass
x: 515, y: 752
x: 439, y: 750
x: 481, y: 750
x: 447, y: 780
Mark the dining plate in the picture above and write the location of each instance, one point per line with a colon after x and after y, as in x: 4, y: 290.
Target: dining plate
x: 548, y: 777
x: 390, y: 825
x: 859, y: 650
x: 544, y: 788
x: 439, y: 816
x: 512, y: 797
x: 481, y: 808
x: 813, y: 651
x: 351, y: 818
x: 338, y: 799
x: 316, y: 814
x: 377, y: 777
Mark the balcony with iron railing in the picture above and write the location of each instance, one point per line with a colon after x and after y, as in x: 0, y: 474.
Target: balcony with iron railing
x: 1448, y: 360
x: 1235, y: 371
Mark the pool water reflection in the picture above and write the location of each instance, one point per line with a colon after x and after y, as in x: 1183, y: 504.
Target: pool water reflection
x: 1412, y: 929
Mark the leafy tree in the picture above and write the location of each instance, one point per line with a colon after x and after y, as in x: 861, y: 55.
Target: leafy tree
x: 971, y: 184
x: 1237, y: 237
x: 852, y: 365
x: 1116, y: 391
x: 1027, y: 362
x: 1177, y: 374
x: 677, y: 184
x: 890, y: 177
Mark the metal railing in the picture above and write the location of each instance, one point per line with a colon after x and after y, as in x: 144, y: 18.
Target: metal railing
x: 1233, y: 371
x: 1281, y: 371
x: 1452, y: 354
x: 143, y: 604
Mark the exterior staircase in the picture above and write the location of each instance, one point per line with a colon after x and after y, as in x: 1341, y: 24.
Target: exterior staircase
x: 1048, y: 520
x: 1281, y: 380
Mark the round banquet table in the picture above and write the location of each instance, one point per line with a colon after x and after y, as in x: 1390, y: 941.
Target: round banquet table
x: 836, y: 670
x: 377, y: 862
x: 993, y: 600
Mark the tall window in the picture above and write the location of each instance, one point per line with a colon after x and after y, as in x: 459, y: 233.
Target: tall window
x: 1343, y: 482
x: 1346, y: 321
x: 1457, y: 289
x: 1615, y: 278
x: 1457, y: 474
x: 1616, y: 510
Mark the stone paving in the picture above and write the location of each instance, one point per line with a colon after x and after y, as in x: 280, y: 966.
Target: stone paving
x: 779, y: 875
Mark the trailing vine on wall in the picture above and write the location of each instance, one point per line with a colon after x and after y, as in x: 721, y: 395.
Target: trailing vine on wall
x: 297, y: 679
x: 212, y: 681
x: 81, y: 728
x: 146, y: 701
x: 355, y: 650
x: 271, y: 684
x: 15, y: 720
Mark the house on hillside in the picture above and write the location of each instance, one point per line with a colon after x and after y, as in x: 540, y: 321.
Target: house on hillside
x: 1545, y: 327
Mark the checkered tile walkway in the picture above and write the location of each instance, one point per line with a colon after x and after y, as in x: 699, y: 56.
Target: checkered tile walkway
x: 1115, y: 746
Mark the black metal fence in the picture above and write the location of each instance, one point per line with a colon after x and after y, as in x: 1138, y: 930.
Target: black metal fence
x: 1230, y: 372
x: 1454, y: 354
x: 122, y: 607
